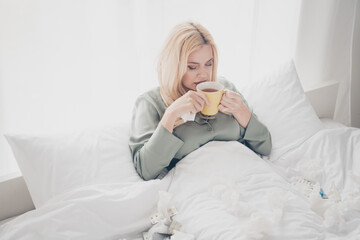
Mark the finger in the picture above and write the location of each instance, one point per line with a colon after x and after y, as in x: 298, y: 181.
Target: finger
x: 194, y: 99
x: 198, y: 106
x: 193, y: 110
x: 198, y: 102
x: 221, y: 108
x: 191, y: 106
x: 235, y: 98
x: 228, y: 102
x: 202, y: 98
x: 225, y: 98
x: 231, y: 94
x: 224, y: 109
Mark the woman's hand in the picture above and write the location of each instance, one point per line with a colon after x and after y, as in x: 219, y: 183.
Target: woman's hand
x: 232, y: 103
x: 191, y: 101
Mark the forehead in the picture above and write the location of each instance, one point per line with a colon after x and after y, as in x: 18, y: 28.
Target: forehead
x: 202, y: 53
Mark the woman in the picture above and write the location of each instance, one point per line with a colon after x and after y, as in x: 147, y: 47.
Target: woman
x: 159, y: 137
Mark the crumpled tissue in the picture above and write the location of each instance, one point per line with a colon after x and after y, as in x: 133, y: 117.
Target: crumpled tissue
x: 188, y: 117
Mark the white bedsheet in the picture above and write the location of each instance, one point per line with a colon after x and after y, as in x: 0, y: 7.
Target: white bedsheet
x: 108, y: 211
x: 221, y: 191
x: 330, y: 156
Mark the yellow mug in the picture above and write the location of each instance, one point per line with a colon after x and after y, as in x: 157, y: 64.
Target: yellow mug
x: 213, y: 91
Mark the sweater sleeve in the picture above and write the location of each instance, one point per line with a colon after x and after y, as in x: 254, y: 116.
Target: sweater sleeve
x: 152, y: 146
x: 256, y: 135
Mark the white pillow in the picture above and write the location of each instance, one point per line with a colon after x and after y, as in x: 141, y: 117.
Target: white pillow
x: 54, y: 164
x: 279, y: 101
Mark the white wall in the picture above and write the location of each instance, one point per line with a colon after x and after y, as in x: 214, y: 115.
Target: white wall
x: 66, y: 65
x: 324, y: 53
x: 311, y: 46
x: 322, y: 42
x: 355, y: 73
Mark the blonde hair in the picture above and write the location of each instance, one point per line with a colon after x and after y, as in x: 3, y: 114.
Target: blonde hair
x: 172, y: 63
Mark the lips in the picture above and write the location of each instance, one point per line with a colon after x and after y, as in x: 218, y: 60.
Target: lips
x: 196, y: 83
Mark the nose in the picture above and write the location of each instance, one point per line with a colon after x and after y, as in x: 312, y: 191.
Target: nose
x: 203, y: 73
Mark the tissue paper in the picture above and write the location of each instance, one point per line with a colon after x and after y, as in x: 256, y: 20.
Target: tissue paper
x: 188, y: 117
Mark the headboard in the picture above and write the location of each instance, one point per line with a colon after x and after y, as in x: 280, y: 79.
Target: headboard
x: 15, y: 197
x: 323, y: 99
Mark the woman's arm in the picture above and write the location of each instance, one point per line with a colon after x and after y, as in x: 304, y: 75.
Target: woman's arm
x: 191, y: 102
x: 152, y: 146
x: 152, y: 143
x: 254, y: 134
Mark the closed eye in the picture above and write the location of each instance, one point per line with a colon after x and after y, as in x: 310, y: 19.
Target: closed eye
x: 191, y: 67
x: 209, y: 63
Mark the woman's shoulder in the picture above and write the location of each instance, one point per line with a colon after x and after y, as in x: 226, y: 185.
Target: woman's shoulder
x: 150, y: 94
x: 152, y: 98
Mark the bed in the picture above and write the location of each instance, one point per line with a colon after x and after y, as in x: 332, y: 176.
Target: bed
x: 84, y: 185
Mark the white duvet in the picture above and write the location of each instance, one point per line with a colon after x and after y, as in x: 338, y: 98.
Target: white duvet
x: 221, y: 191
x: 225, y: 191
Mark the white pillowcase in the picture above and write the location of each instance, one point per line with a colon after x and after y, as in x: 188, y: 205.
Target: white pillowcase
x: 280, y: 103
x: 54, y: 164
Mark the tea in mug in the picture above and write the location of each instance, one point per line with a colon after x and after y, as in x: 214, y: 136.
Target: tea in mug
x: 210, y: 90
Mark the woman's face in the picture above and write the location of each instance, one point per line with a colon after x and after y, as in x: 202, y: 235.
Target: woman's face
x: 199, y: 67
